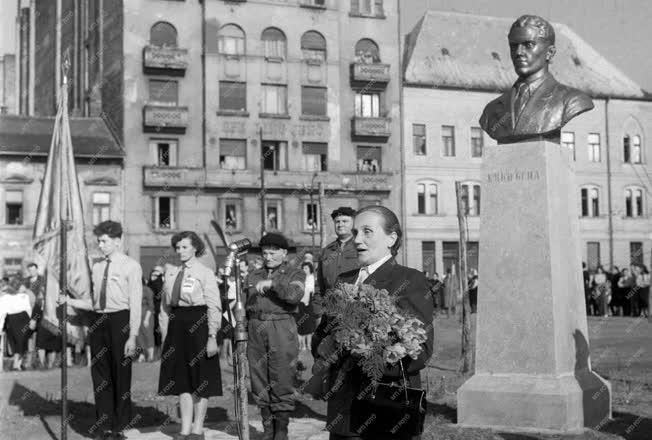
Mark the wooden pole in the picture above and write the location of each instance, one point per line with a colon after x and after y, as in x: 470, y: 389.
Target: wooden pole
x: 321, y: 215
x: 467, y: 349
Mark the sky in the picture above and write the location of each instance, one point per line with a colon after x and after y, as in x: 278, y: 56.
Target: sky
x: 621, y: 30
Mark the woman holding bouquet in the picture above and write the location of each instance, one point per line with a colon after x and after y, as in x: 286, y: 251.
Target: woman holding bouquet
x: 378, y: 236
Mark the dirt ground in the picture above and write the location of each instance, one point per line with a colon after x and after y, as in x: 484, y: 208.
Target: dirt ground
x: 621, y: 352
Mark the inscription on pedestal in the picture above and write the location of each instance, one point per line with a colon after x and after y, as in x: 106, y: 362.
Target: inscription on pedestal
x: 514, y: 175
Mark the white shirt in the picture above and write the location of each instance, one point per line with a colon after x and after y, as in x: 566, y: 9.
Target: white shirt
x: 11, y: 304
x: 371, y: 269
x: 309, y: 289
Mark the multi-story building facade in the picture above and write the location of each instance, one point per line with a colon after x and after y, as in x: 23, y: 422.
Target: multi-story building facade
x: 450, y: 76
x: 46, y: 31
x: 209, y: 98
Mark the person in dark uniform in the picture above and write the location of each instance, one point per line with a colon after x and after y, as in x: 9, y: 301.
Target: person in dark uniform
x: 190, y: 317
x: 337, y: 257
x: 273, y: 293
x: 116, y: 300
x: 378, y: 239
x: 155, y: 282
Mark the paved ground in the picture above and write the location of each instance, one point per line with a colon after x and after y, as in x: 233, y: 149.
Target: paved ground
x: 621, y: 350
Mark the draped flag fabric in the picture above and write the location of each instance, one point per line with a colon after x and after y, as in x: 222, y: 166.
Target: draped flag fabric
x: 60, y: 199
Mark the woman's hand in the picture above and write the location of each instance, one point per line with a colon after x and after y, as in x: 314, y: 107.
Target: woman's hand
x: 32, y: 324
x: 211, y: 347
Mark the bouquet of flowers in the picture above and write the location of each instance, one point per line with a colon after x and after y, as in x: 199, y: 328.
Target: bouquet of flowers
x: 367, y: 323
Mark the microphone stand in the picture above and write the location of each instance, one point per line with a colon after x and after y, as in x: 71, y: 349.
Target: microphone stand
x: 240, y: 364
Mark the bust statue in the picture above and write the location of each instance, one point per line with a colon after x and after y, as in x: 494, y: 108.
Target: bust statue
x: 537, y: 106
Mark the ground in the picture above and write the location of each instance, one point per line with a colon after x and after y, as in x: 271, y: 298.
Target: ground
x: 621, y: 351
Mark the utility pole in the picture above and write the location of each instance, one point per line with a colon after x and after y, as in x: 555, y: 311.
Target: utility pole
x: 312, y: 225
x: 321, y: 215
x: 262, y: 183
x: 467, y: 348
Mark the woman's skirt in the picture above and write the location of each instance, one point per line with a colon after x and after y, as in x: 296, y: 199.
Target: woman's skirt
x: 185, y: 368
x: 18, y: 332
x: 306, y: 319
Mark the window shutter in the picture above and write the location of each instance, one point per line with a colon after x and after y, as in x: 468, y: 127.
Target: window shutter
x: 232, y: 147
x: 379, y: 8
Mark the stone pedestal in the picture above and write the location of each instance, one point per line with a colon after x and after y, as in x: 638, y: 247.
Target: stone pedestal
x: 533, y: 370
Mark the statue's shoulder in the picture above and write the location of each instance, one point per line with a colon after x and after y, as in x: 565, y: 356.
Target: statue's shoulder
x: 575, y: 101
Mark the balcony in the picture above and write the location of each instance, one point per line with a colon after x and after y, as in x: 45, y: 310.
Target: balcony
x: 370, y: 128
x: 165, y: 119
x: 173, y: 177
x: 184, y: 177
x: 369, y: 76
x: 170, y: 61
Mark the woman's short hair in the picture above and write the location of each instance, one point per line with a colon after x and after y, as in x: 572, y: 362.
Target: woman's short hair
x: 196, y: 242
x: 309, y: 265
x: 390, y: 223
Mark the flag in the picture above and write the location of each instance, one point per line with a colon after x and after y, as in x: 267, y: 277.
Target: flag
x: 60, y: 199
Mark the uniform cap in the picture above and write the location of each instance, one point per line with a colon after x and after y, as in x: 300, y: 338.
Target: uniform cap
x: 274, y: 239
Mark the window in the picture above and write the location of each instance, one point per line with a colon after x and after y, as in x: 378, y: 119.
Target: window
x: 369, y: 159
x: 163, y: 152
x: 448, y: 140
x: 593, y: 141
x: 232, y: 212
x: 274, y: 155
x: 101, y: 207
x: 593, y: 254
x: 477, y: 142
x: 273, y: 215
x: 313, y: 46
x: 233, y: 96
x: 590, y: 197
x: 13, y: 266
x: 163, y: 34
x: 315, y: 156
x: 231, y: 40
x: 367, y: 105
x: 313, y: 101
x: 14, y: 207
x: 274, y: 43
x: 233, y: 154
x: 163, y: 92
x: 164, y: 212
x: 427, y: 198
x: 428, y: 257
x: 632, y: 149
x: 633, y: 202
x: 366, y: 52
x: 367, y: 7
x: 636, y: 149
x: 419, y: 139
x: 314, y: 2
x: 568, y: 141
x: 310, y: 216
x: 470, y: 195
x: 635, y: 252
x: 275, y: 99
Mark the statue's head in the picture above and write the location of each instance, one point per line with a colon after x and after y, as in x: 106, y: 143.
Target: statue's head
x: 531, y: 44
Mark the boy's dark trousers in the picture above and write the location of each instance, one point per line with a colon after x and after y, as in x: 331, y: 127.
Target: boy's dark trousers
x: 111, y: 370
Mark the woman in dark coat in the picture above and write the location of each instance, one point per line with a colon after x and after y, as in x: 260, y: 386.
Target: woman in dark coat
x: 377, y: 238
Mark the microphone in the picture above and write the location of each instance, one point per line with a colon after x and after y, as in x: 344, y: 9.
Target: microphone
x: 236, y: 248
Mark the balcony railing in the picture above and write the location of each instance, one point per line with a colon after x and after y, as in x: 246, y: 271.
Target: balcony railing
x: 165, y: 60
x: 165, y: 118
x: 370, y: 76
x: 370, y: 127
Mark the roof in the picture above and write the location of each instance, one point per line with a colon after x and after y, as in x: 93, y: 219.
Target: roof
x: 91, y: 137
x: 453, y: 50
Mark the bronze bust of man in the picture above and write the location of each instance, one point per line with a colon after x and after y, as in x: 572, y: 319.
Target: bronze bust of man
x: 537, y: 106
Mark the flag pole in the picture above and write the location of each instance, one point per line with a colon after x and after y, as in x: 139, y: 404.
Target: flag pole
x: 63, y: 268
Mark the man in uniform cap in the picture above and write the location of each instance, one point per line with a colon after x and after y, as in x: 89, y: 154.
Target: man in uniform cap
x: 337, y: 257
x: 273, y: 292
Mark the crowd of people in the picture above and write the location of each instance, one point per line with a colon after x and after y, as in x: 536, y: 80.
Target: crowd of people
x: 619, y: 292
x: 183, y: 317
